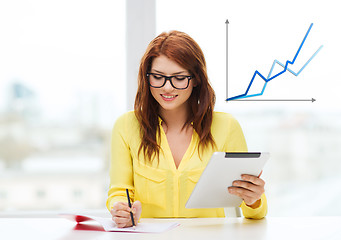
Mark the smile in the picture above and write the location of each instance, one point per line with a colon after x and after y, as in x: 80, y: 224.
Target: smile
x: 168, y: 97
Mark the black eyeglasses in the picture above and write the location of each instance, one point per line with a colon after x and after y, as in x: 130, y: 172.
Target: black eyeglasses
x: 177, y: 81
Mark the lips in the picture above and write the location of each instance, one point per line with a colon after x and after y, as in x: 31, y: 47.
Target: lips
x: 168, y: 97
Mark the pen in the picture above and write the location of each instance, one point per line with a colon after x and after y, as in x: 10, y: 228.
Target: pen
x: 131, y: 214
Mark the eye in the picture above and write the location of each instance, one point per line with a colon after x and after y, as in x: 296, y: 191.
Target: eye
x: 156, y: 76
x: 180, y: 77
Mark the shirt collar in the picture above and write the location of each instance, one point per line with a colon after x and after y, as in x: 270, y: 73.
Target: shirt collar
x: 160, y: 121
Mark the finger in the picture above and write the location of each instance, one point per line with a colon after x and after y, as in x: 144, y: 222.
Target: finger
x: 122, y: 225
x: 253, y: 179
x: 121, y: 220
x: 137, y: 209
x: 123, y: 206
x: 250, y: 188
x: 249, y: 197
x: 235, y: 191
x: 136, y: 220
x: 121, y: 213
x: 247, y: 185
x: 240, y: 192
x: 136, y: 206
x: 243, y: 193
x: 117, y: 206
x: 260, y: 173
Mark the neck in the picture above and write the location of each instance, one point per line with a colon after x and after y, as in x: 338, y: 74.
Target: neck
x: 175, y: 119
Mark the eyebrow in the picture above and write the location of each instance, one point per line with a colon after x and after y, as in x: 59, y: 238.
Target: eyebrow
x: 171, y: 74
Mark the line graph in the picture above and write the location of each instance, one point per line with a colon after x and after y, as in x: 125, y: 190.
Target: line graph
x: 269, y: 77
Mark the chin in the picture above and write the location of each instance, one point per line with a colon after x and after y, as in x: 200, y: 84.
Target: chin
x: 171, y: 106
x: 168, y: 107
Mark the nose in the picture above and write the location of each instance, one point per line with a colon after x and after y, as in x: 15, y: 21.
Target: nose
x: 168, y: 85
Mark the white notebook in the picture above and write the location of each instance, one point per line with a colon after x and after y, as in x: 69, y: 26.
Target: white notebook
x: 109, y: 225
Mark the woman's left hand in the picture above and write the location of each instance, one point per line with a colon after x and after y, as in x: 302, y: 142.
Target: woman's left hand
x: 250, y: 189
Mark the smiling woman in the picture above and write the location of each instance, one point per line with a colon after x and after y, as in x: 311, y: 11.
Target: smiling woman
x: 178, y: 133
x: 174, y: 53
x: 173, y: 101
x: 172, y: 95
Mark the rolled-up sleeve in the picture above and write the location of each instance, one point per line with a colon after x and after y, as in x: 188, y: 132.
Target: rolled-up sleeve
x: 255, y: 213
x: 121, y: 167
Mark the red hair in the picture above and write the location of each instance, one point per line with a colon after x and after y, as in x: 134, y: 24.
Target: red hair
x: 182, y: 49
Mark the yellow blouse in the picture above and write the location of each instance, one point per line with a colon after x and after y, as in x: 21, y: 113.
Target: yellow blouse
x: 162, y: 188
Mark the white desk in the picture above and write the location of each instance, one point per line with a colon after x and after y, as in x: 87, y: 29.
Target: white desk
x: 202, y: 228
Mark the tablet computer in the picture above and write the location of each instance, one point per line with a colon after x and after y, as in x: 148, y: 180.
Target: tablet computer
x: 222, y: 169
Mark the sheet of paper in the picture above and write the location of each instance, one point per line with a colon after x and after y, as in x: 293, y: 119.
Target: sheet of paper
x: 110, y: 226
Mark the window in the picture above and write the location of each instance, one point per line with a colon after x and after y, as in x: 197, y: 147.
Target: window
x: 61, y: 89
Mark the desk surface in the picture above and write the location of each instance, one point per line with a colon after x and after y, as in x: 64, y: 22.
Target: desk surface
x: 201, y: 228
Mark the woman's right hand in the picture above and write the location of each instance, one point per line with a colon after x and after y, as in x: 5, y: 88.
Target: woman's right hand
x: 121, y: 213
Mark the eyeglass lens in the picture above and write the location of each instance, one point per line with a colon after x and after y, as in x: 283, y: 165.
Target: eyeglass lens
x: 177, y: 81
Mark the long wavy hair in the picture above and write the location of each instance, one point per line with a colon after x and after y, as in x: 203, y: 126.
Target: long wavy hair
x: 182, y: 49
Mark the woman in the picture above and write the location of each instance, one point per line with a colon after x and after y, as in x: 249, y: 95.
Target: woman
x: 160, y: 149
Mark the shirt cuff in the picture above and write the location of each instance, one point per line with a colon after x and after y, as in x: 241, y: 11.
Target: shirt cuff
x: 111, y: 201
x: 255, y: 213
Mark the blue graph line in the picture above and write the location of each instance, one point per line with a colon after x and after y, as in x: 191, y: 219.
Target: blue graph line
x: 269, y: 78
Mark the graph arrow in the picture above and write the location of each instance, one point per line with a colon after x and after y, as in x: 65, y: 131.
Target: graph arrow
x: 227, y: 44
x: 276, y: 100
